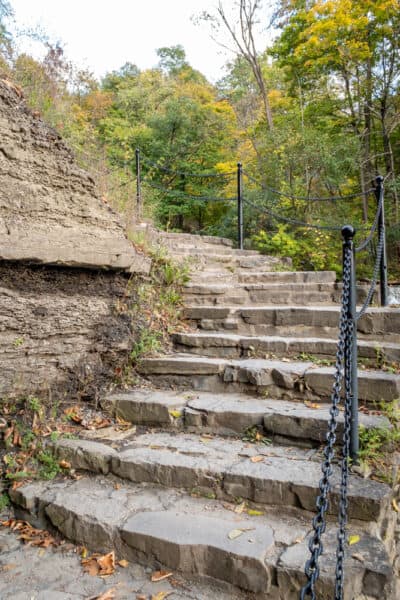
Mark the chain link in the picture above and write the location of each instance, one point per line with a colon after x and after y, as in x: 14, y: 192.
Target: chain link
x: 319, y: 521
x: 375, y: 275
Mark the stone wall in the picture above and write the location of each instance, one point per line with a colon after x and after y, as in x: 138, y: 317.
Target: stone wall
x: 64, y: 265
x: 61, y: 331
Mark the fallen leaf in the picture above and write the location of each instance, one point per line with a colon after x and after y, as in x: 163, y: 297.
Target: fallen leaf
x: 109, y: 595
x: 160, y: 575
x: 103, y: 566
x: 358, y: 557
x: 310, y: 404
x: 175, y: 413
x: 8, y: 567
x: 256, y: 459
x: 64, y: 464
x: 107, y: 564
x: 122, y: 424
x: 255, y: 513
x: 235, y: 533
x: 123, y: 563
x: 141, y: 597
x: 239, y: 509
x: 395, y: 505
x: 353, y: 539
x: 161, y: 595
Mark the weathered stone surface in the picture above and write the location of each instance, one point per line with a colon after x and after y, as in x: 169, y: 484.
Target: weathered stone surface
x: 59, y: 330
x: 373, y: 386
x: 281, y: 379
x: 50, y: 212
x: 85, y: 454
x: 368, y: 565
x: 288, y: 276
x: 284, y: 477
x: 234, y: 345
x: 160, y: 526
x: 146, y: 407
x: 202, y: 546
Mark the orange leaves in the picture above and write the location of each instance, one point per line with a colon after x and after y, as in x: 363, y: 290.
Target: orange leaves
x: 101, y: 565
x: 29, y: 535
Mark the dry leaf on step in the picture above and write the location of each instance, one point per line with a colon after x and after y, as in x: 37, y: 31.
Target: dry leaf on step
x: 310, y: 404
x: 353, y: 539
x: 160, y: 575
x: 256, y: 459
x: 108, y: 595
x: 235, y: 533
x: 161, y: 595
x: 123, y: 563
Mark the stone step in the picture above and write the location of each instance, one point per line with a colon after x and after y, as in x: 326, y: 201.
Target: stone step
x: 230, y: 414
x: 212, y: 250
x: 196, y: 240
x: 231, y: 345
x: 239, y: 294
x: 223, y: 468
x: 263, y: 555
x: 318, y: 321
x: 252, y: 294
x: 280, y: 379
x: 218, y: 276
x: 288, y: 277
x: 233, y: 262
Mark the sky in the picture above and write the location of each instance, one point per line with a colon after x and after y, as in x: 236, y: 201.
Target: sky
x: 102, y: 35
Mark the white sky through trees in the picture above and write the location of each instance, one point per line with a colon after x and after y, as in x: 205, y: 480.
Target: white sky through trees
x: 102, y: 35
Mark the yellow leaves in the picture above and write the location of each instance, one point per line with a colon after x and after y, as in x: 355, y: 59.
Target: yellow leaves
x: 310, y: 404
x: 353, y: 539
x: 395, y: 505
x: 175, y: 413
x: 254, y: 513
x: 161, y: 595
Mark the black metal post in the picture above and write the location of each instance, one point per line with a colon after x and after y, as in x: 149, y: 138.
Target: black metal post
x: 348, y: 233
x: 138, y: 186
x: 240, y: 204
x: 379, y: 191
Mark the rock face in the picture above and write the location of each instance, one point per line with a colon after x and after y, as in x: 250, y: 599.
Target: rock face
x: 60, y: 331
x: 49, y: 210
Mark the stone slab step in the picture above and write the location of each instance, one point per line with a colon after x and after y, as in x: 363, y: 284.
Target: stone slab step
x: 236, y: 346
x: 194, y: 239
x: 197, y: 294
x: 211, y: 250
x: 229, y: 414
x: 319, y: 321
x: 280, y: 379
x: 166, y: 528
x: 223, y: 468
x: 288, y: 276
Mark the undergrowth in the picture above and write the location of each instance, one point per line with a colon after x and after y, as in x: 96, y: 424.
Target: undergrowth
x: 377, y: 445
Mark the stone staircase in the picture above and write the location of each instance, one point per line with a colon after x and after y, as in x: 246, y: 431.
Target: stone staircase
x: 220, y: 479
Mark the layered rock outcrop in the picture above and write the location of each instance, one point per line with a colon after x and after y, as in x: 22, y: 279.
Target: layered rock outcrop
x: 59, y: 327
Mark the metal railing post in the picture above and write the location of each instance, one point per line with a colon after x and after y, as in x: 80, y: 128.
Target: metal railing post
x: 379, y: 191
x: 348, y: 233
x: 240, y: 204
x: 138, y: 186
